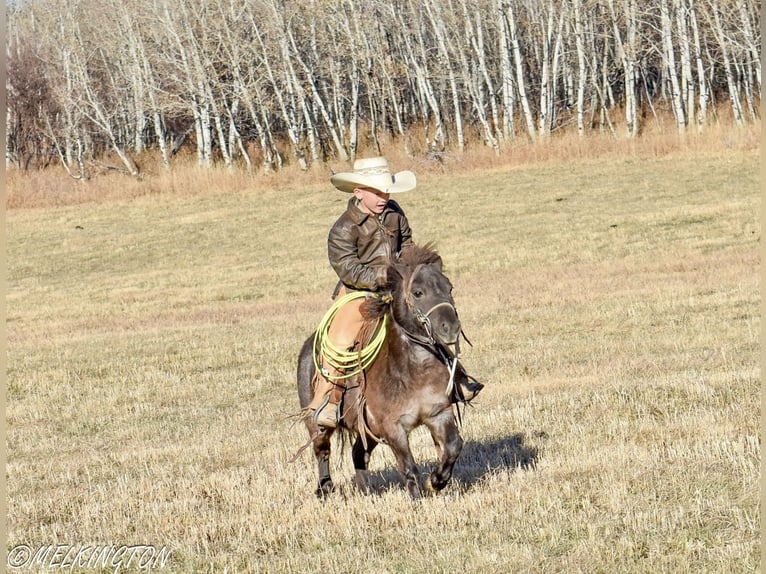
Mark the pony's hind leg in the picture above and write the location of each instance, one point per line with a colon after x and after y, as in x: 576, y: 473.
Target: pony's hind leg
x: 361, y: 457
x: 448, y: 443
x: 321, y: 444
x: 320, y: 440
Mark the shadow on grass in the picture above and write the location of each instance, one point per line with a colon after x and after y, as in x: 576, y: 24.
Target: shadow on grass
x: 481, y: 459
x: 478, y: 460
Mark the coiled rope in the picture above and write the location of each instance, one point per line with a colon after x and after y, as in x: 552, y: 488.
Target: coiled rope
x: 347, y: 363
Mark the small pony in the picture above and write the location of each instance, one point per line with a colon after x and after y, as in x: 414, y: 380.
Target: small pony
x: 410, y: 382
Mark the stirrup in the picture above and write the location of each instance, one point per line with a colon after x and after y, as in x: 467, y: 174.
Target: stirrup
x: 327, y: 418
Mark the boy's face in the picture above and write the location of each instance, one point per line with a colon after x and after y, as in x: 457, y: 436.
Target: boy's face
x: 371, y: 201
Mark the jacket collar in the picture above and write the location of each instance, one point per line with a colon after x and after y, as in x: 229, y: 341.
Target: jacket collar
x: 357, y: 215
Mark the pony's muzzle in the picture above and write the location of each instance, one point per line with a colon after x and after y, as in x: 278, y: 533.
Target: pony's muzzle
x: 446, y: 325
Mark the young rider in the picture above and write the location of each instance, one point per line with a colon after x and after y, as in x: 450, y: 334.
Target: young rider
x: 361, y: 244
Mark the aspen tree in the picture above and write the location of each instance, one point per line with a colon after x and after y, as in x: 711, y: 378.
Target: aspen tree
x: 687, y: 79
x: 668, y: 55
x: 701, y: 76
x: 506, y: 70
x: 474, y: 26
x: 437, y: 23
x: 721, y: 36
x: 510, y: 15
x: 750, y: 59
x: 334, y: 78
x: 429, y: 102
x: 745, y: 8
x: 96, y: 88
x: 287, y: 112
x: 581, y: 68
x: 550, y: 41
x: 144, y: 69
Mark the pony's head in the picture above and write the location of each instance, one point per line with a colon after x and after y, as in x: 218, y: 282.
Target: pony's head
x: 422, y: 296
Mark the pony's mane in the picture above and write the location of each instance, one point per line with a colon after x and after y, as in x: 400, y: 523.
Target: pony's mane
x: 404, y: 265
x: 415, y: 255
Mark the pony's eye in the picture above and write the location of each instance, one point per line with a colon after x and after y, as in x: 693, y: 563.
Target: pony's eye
x: 417, y: 293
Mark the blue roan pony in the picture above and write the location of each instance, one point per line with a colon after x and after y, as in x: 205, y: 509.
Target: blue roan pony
x: 410, y: 382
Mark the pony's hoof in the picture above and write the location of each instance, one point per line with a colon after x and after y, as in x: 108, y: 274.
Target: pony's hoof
x: 326, y: 488
x: 434, y: 485
x: 414, y: 490
x: 362, y: 481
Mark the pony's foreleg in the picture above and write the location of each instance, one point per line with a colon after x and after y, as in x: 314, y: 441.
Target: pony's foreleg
x: 400, y: 445
x: 361, y: 457
x: 448, y: 443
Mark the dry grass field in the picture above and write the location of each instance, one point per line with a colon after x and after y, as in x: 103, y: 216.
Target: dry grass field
x: 614, y: 307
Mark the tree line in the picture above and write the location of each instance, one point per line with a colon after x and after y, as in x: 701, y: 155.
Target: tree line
x: 257, y: 84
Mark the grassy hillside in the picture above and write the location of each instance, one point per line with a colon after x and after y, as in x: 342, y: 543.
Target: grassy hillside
x: 614, y: 309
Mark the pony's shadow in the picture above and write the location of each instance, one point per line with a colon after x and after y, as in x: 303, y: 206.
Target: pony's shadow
x: 478, y: 461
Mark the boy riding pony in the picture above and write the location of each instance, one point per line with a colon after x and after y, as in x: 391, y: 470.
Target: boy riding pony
x: 365, y: 239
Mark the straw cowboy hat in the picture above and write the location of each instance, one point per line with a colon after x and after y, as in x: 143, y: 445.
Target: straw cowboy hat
x: 373, y: 172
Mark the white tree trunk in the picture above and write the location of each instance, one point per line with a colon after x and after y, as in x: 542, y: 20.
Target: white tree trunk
x: 687, y: 77
x: 736, y: 103
x: 520, y: 79
x: 701, y: 80
x: 204, y: 133
x: 291, y: 127
x: 317, y: 98
x: 751, y: 40
x: 477, y: 42
x: 506, y: 67
x: 582, y: 71
x: 196, y: 100
x: 474, y: 83
x: 353, y: 119
x: 437, y: 24
x: 668, y: 52
x: 627, y: 50
x: 427, y: 96
x: 94, y: 107
x: 543, y: 118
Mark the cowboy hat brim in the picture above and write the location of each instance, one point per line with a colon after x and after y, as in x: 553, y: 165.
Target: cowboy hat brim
x: 385, y: 182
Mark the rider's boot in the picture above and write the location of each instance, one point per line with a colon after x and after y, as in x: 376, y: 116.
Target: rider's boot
x: 466, y: 387
x: 322, y: 408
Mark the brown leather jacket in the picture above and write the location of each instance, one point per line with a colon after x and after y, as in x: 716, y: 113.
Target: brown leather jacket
x: 360, y: 246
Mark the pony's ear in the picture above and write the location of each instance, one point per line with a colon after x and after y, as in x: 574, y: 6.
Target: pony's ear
x: 438, y: 263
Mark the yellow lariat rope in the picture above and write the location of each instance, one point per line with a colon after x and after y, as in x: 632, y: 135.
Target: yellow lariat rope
x: 349, y: 363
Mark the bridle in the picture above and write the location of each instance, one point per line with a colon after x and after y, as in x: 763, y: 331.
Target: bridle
x: 432, y: 343
x: 423, y: 318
